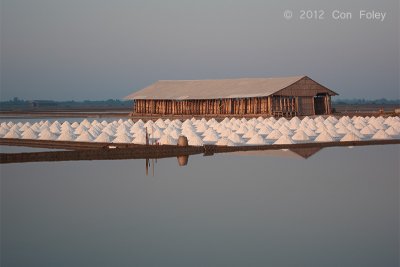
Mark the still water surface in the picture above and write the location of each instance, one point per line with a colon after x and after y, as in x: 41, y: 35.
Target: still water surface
x: 339, y: 207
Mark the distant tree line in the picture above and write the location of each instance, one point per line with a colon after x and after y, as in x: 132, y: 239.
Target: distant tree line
x: 17, y: 103
x: 362, y: 101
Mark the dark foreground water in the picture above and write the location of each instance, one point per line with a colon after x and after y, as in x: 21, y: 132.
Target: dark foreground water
x: 338, y: 208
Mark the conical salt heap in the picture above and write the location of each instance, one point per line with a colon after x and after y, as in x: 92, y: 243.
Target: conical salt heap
x: 140, y: 138
x: 86, y: 123
x: 242, y: 130
x: 167, y: 140
x: 3, y: 131
x: 283, y: 140
x: 332, y: 132
x: 274, y: 135
x: 103, y: 138
x: 122, y: 138
x: 66, y: 136
x: 256, y: 140
x: 24, y: 127
x: 85, y: 136
x: 225, y: 142
x: 194, y: 140
x: 250, y: 133
x: 211, y: 137
x: 161, y: 124
x: 324, y: 137
x: 367, y: 130
x: 29, y: 134
x: 235, y: 138
x: 350, y: 137
x: 392, y: 131
x: 285, y: 130
x: 174, y: 133
x: 226, y: 133
x: 381, y: 134
x: 75, y: 125
x: 81, y: 128
x: 300, y: 136
x: 47, y: 135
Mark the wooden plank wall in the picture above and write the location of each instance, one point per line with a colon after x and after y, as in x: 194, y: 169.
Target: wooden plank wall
x: 277, y: 105
x: 259, y: 105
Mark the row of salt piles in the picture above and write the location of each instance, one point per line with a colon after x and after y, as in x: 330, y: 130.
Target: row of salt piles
x: 230, y: 132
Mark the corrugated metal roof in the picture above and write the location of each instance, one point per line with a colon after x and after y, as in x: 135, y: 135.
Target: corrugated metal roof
x: 214, y: 89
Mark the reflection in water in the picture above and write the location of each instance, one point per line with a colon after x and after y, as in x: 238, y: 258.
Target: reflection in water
x: 337, y: 208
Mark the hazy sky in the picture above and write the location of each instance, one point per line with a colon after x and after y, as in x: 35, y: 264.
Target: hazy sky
x: 100, y: 49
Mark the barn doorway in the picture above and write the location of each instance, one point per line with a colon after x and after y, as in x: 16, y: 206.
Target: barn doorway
x: 319, y: 104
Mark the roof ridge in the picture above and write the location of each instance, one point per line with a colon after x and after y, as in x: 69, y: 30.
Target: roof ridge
x: 242, y: 78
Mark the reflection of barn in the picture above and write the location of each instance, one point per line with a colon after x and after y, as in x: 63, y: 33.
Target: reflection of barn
x: 287, y: 96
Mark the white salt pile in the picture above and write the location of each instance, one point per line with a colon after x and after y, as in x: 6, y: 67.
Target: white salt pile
x: 85, y: 136
x: 350, y: 137
x: 167, y: 140
x: 232, y: 131
x: 195, y: 140
x: 225, y: 142
x: 235, y: 138
x: 368, y: 130
x: 140, y: 139
x: 66, y: 136
x: 324, y: 137
x: 381, y: 134
x: 103, y: 138
x: 211, y: 137
x: 274, y: 135
x: 256, y: 140
x: 300, y: 136
x: 392, y: 131
x: 29, y: 134
x: 284, y: 140
x: 47, y: 135
x: 122, y: 139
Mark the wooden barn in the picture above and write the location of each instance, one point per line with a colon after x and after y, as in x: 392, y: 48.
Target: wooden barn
x: 284, y: 96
